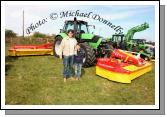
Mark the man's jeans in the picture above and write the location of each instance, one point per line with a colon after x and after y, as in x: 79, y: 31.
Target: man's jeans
x: 78, y: 67
x: 68, y: 63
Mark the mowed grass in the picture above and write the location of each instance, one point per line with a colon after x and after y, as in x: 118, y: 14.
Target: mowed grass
x: 38, y: 80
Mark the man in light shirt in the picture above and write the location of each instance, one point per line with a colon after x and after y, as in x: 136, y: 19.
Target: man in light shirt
x: 67, y: 48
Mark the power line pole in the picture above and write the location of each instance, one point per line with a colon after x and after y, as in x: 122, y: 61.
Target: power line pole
x: 23, y: 23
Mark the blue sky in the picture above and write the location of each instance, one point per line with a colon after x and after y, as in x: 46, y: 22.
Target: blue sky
x: 126, y: 16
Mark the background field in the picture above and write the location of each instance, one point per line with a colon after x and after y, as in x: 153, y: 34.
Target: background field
x: 39, y: 80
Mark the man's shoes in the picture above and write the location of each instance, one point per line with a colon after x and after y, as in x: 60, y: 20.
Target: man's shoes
x: 65, y: 79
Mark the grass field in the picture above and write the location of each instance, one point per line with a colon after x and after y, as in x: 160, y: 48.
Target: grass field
x: 38, y: 80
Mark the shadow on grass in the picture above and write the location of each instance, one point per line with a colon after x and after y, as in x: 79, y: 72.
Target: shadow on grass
x: 8, y: 63
x: 10, y: 58
x: 82, y: 72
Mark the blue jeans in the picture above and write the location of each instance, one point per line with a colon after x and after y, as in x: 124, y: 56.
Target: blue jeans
x: 68, y: 63
x: 78, y: 67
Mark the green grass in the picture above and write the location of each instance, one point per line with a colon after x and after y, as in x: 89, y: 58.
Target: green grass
x: 38, y: 80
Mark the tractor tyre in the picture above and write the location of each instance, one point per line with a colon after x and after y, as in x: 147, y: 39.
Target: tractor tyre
x: 56, y: 45
x: 146, y: 58
x: 110, y: 49
x: 89, y: 55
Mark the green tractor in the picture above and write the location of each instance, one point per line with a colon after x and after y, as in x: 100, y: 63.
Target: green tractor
x: 127, y: 42
x: 119, y: 39
x: 140, y: 42
x: 93, y: 46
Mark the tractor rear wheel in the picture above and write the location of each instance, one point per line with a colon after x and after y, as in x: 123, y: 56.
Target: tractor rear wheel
x: 89, y: 55
x: 109, y: 48
x: 56, y: 46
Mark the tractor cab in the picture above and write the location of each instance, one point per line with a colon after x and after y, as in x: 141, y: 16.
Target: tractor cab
x: 118, y: 37
x: 78, y: 26
x: 117, y: 40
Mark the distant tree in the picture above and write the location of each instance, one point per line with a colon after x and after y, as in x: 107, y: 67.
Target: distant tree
x: 39, y: 35
x: 10, y: 33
